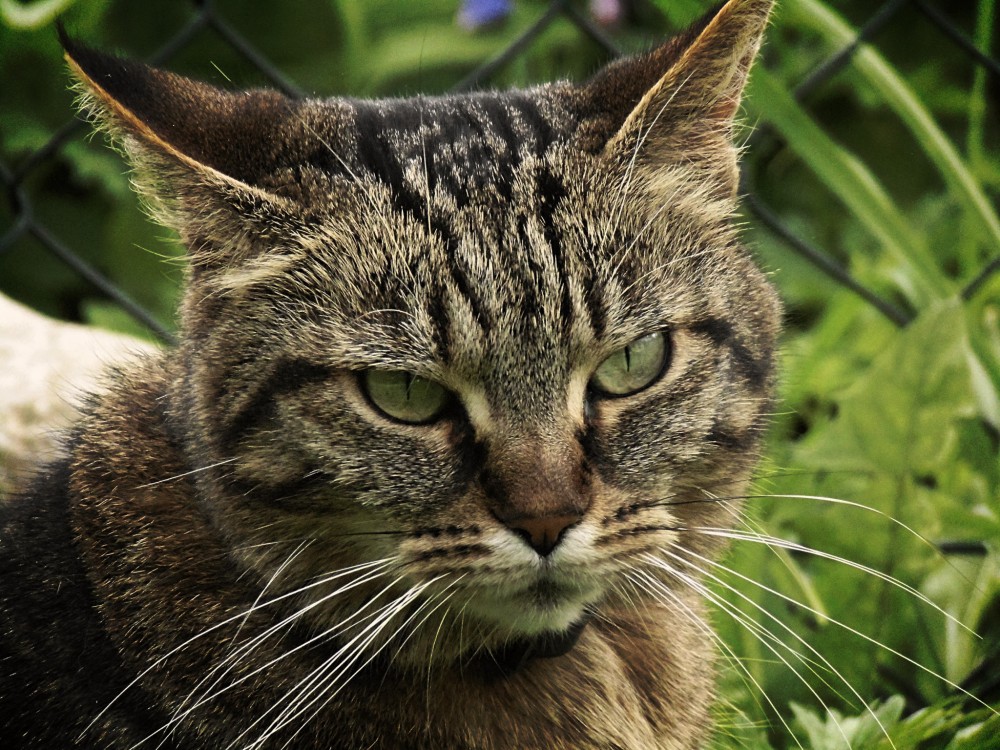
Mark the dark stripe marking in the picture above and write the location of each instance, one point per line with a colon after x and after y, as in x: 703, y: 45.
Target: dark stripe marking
x: 536, y: 124
x: 460, y: 274
x: 551, y: 192
x: 459, y: 550
x: 593, y: 298
x: 717, y: 330
x: 753, y: 369
x: 725, y: 437
x: 373, y: 153
x: 302, y: 495
x: 286, y: 376
x: 437, y: 311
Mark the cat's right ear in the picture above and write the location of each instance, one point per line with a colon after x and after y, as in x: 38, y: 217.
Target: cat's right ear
x: 672, y: 109
x: 200, y: 153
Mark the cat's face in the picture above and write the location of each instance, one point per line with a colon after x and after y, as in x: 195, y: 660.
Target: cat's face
x: 499, y: 351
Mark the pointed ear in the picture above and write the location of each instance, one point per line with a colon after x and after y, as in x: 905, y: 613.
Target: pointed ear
x: 217, y: 166
x: 675, y: 106
x: 202, y: 127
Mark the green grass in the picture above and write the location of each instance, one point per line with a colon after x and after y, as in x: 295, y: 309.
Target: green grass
x: 892, y: 168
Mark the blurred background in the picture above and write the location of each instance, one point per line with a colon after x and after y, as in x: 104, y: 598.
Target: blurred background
x: 860, y: 606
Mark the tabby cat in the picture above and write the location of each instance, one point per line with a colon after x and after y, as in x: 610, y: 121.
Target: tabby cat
x: 461, y: 385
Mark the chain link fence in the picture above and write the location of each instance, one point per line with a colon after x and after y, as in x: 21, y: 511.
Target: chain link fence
x: 31, y: 237
x: 23, y: 220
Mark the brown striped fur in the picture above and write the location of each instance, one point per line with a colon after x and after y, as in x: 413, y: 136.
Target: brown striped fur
x: 502, y: 245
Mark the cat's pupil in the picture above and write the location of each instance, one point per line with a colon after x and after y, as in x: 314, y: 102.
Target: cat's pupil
x: 634, y: 367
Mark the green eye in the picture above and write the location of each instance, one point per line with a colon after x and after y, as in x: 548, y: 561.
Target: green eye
x: 405, y: 396
x: 633, y: 367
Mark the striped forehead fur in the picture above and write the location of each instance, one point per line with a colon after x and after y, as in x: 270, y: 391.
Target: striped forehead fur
x: 603, y: 230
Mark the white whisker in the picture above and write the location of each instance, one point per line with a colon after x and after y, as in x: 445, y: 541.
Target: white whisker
x: 377, y: 619
x: 175, y: 717
x: 322, y: 685
x: 234, y: 657
x: 848, y: 503
x: 374, y: 569
x: 768, y: 540
x: 658, y: 590
x: 838, y: 623
x: 777, y: 621
x: 274, y: 576
x: 386, y: 641
x: 430, y: 656
x: 186, y: 473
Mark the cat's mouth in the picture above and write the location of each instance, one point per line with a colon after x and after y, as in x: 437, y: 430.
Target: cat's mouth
x: 547, y: 593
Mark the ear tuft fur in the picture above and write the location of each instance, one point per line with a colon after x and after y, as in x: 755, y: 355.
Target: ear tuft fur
x: 204, y: 158
x: 193, y: 122
x: 676, y: 105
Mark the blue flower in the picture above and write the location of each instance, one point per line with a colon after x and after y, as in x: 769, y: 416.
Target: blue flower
x: 477, y: 14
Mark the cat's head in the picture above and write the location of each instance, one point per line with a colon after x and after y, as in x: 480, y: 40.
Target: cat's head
x: 496, y: 350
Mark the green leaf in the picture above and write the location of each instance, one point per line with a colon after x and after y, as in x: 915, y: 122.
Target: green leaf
x: 938, y: 722
x: 34, y: 15
x: 906, y: 439
x: 838, y: 732
x: 852, y: 182
x: 907, y: 105
x: 900, y: 417
x: 681, y: 12
x: 978, y: 99
x: 981, y: 736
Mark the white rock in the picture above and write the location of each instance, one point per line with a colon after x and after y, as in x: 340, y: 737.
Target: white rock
x: 46, y: 369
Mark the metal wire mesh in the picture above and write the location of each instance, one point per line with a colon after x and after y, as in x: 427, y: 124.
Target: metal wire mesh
x: 25, y: 223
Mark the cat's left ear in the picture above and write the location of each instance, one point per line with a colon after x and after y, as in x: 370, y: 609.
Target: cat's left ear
x: 676, y: 105
x: 200, y: 127
x: 205, y: 159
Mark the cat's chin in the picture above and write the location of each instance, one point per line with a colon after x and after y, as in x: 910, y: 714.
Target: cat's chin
x: 538, y: 611
x: 501, y: 631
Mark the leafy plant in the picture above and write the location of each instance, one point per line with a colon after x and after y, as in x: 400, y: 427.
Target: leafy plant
x: 889, y: 444
x: 860, y: 606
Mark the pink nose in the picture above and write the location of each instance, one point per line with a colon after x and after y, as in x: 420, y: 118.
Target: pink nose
x: 544, y: 533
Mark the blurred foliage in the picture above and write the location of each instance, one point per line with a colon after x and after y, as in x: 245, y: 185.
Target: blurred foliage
x: 853, y: 628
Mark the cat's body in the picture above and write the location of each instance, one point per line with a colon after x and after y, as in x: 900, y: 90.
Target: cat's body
x: 459, y: 381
